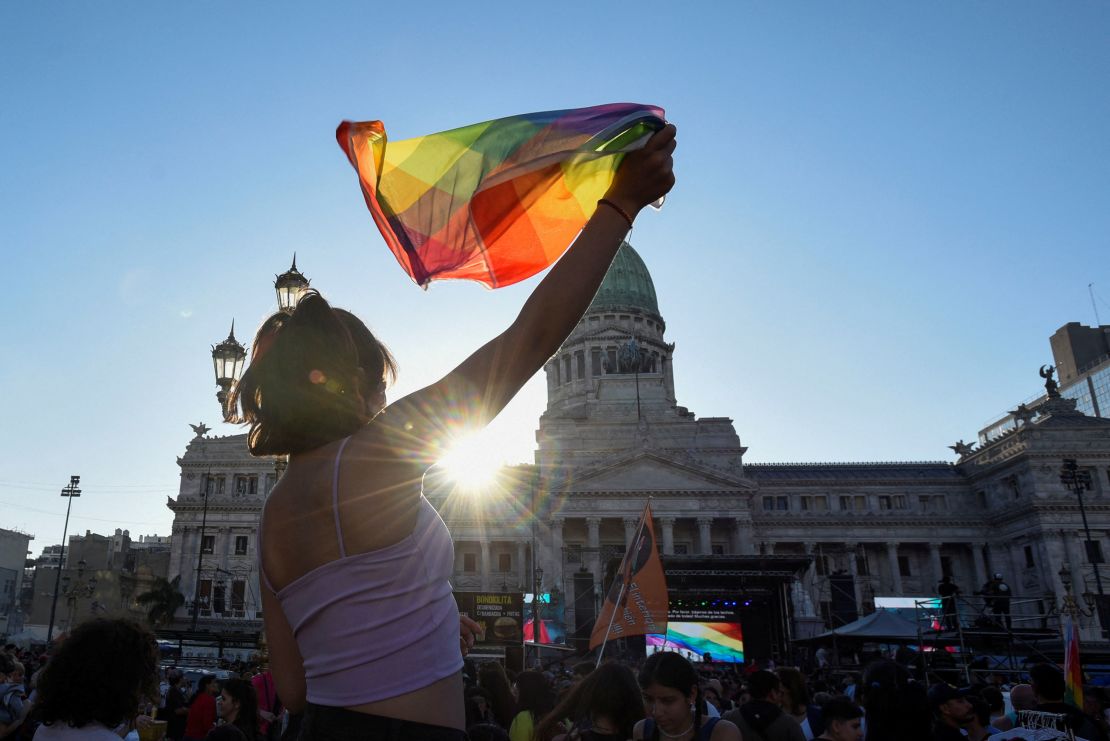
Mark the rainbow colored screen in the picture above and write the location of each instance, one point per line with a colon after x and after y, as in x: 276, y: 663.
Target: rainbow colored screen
x: 723, y: 641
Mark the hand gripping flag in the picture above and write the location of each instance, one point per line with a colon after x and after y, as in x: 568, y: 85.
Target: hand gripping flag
x: 1073, y: 672
x: 637, y: 600
x: 494, y: 202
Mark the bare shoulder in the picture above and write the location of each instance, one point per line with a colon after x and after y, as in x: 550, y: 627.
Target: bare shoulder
x: 726, y: 731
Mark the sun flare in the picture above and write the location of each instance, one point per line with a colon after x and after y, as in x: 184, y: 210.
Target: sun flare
x: 473, y: 461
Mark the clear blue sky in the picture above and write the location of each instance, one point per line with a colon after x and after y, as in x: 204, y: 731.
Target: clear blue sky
x: 883, y: 210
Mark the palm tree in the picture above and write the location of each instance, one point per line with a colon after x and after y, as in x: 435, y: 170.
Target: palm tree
x: 163, y: 599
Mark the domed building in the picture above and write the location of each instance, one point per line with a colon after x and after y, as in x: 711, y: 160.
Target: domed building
x: 794, y: 548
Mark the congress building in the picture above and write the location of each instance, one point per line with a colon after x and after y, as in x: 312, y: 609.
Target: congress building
x: 793, y: 547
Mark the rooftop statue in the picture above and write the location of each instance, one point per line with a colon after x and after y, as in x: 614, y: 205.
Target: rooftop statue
x: 1050, y: 385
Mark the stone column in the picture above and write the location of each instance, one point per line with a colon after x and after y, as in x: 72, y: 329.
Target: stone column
x: 980, y: 564
x: 667, y: 525
x: 809, y: 578
x: 853, y: 569
x: 768, y: 548
x: 523, y: 577
x: 557, y: 552
x: 892, y: 564
x: 485, y: 564
x: 593, y: 543
x: 705, y: 536
x: 742, y: 536
x: 225, y: 538
x: 630, y: 524
x: 934, y: 564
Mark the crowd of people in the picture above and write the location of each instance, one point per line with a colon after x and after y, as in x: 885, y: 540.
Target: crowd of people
x: 105, y: 681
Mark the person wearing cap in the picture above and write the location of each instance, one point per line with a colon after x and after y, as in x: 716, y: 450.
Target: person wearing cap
x: 951, y: 712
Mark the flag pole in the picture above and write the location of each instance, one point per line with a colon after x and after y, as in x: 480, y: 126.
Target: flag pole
x: 616, y: 606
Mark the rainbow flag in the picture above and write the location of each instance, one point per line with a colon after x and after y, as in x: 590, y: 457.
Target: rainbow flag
x: 1073, y: 672
x: 494, y: 202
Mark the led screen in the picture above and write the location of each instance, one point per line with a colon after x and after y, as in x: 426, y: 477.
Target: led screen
x: 723, y: 641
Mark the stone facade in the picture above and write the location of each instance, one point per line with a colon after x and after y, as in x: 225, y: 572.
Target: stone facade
x: 614, y: 436
x: 222, y: 492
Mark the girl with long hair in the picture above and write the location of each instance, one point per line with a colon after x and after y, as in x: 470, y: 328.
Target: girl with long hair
x: 492, y: 679
x: 605, y: 706
x: 239, y: 711
x: 363, y: 629
x: 672, y: 700
x: 534, y: 700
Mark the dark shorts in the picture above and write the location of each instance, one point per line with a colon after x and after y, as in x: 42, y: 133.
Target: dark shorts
x: 323, y: 723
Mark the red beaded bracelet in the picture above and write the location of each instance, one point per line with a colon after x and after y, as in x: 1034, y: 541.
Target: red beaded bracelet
x: 618, y: 209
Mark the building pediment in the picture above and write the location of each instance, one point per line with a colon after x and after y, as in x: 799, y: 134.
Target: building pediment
x: 653, y: 471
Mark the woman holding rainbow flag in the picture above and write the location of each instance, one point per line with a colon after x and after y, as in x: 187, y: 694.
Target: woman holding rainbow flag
x: 362, y: 628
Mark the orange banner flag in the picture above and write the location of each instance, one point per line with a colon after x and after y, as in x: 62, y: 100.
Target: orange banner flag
x: 637, y: 600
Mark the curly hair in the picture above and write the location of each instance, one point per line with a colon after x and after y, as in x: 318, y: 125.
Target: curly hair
x: 120, y: 654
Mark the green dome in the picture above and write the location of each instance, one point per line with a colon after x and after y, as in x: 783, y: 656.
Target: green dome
x: 627, y: 285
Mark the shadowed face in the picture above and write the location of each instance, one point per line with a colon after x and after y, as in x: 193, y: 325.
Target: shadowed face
x: 669, y: 707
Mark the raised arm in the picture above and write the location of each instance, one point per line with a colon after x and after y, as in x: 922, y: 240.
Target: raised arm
x: 478, y: 389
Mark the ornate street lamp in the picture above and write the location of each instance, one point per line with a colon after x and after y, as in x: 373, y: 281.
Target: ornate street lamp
x: 290, y: 286
x: 227, y: 361
x: 1078, y: 480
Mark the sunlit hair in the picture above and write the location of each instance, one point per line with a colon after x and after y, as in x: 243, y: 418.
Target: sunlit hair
x: 672, y: 670
x: 310, y: 377
x: 609, y: 692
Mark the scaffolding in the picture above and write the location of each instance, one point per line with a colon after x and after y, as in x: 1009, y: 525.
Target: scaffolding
x: 967, y: 639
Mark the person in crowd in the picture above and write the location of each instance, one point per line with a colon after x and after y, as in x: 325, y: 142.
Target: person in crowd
x: 96, y: 681
x: 605, y: 706
x: 896, y: 708
x: 669, y: 685
x: 347, y: 532
x: 762, y: 718
x: 843, y: 720
x: 202, y: 709
x: 176, y: 711
x: 269, y: 705
x: 581, y: 670
x: 492, y: 679
x: 1048, y: 688
x: 998, y: 595
x: 1021, y: 698
x: 952, y: 712
x: 712, y: 690
x: 480, y: 721
x: 12, y: 695
x: 979, y: 726
x: 534, y: 700
x: 238, y: 711
x: 797, y: 704
x: 948, y: 592
x: 997, y: 707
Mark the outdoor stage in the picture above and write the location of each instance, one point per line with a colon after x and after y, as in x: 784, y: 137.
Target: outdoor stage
x: 749, y: 593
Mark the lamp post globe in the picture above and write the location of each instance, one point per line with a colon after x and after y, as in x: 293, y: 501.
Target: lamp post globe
x: 227, y: 362
x: 290, y: 286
